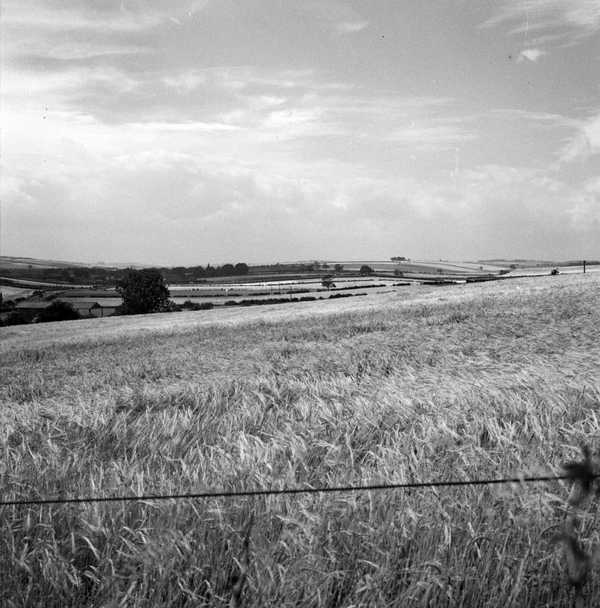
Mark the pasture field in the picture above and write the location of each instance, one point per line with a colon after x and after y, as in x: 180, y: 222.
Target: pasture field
x: 427, y: 383
x: 12, y: 293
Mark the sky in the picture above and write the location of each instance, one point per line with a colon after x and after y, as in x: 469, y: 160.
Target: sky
x: 193, y: 131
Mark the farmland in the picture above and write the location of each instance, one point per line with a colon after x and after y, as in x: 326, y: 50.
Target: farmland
x: 404, y: 384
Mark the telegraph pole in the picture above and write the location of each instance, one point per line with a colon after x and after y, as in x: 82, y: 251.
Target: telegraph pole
x: 583, y: 266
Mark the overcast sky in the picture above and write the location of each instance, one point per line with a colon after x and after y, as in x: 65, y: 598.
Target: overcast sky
x: 195, y: 131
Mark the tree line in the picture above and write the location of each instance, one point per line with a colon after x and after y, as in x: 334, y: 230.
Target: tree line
x: 101, y: 276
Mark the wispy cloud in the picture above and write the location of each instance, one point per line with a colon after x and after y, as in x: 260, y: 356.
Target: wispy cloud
x: 565, y: 20
x: 337, y: 15
x: 439, y: 134
x: 585, y: 143
x: 549, y: 118
x: 116, y: 15
x: 351, y: 27
x: 532, y: 55
x: 188, y: 127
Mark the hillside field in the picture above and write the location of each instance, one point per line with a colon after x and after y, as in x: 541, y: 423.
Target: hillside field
x: 411, y: 384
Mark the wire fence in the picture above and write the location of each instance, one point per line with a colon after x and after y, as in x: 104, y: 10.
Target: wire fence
x: 289, y: 491
x: 583, y: 475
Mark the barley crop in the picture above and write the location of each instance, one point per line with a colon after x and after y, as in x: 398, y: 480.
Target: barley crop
x: 420, y: 384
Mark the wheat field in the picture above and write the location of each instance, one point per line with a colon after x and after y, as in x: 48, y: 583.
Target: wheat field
x: 415, y: 384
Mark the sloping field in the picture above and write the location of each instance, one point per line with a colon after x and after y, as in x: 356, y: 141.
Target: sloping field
x: 427, y: 267
x: 461, y: 382
x: 34, y: 284
x: 7, y: 261
x: 12, y: 293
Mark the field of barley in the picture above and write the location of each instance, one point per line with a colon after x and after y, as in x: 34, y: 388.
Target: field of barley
x: 414, y: 384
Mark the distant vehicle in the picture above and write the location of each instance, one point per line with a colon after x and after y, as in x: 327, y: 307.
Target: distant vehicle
x: 554, y: 272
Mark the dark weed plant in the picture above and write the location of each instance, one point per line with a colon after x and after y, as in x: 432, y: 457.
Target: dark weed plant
x: 579, y: 563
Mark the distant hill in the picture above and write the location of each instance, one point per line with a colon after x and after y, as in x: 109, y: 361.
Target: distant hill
x: 13, y: 262
x: 7, y: 261
x: 444, y: 267
x: 525, y: 263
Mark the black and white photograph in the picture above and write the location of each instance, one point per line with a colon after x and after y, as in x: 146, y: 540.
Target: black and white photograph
x: 299, y: 303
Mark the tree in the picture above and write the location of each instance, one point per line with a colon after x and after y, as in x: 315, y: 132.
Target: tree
x: 241, y: 268
x: 338, y: 267
x: 58, y: 311
x: 143, y: 291
x: 327, y: 282
x: 364, y: 269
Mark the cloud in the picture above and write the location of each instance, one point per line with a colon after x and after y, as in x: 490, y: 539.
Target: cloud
x: 351, y: 27
x: 278, y: 133
x: 336, y: 15
x: 129, y: 187
x: 532, y: 55
x: 187, y: 127
x: 584, y: 211
x: 537, y: 116
x: 438, y: 134
x: 272, y: 105
x: 117, y: 15
x: 585, y: 143
x: 568, y: 21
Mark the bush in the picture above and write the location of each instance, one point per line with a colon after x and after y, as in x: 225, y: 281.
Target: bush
x: 189, y: 305
x: 170, y: 306
x: 334, y: 296
x: 15, y: 318
x: 58, y: 311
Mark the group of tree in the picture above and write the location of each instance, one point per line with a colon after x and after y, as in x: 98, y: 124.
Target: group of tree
x: 104, y: 276
x: 186, y: 274
x: 57, y: 311
x: 143, y: 291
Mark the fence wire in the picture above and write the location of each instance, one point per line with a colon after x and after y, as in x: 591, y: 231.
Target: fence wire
x: 284, y: 491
